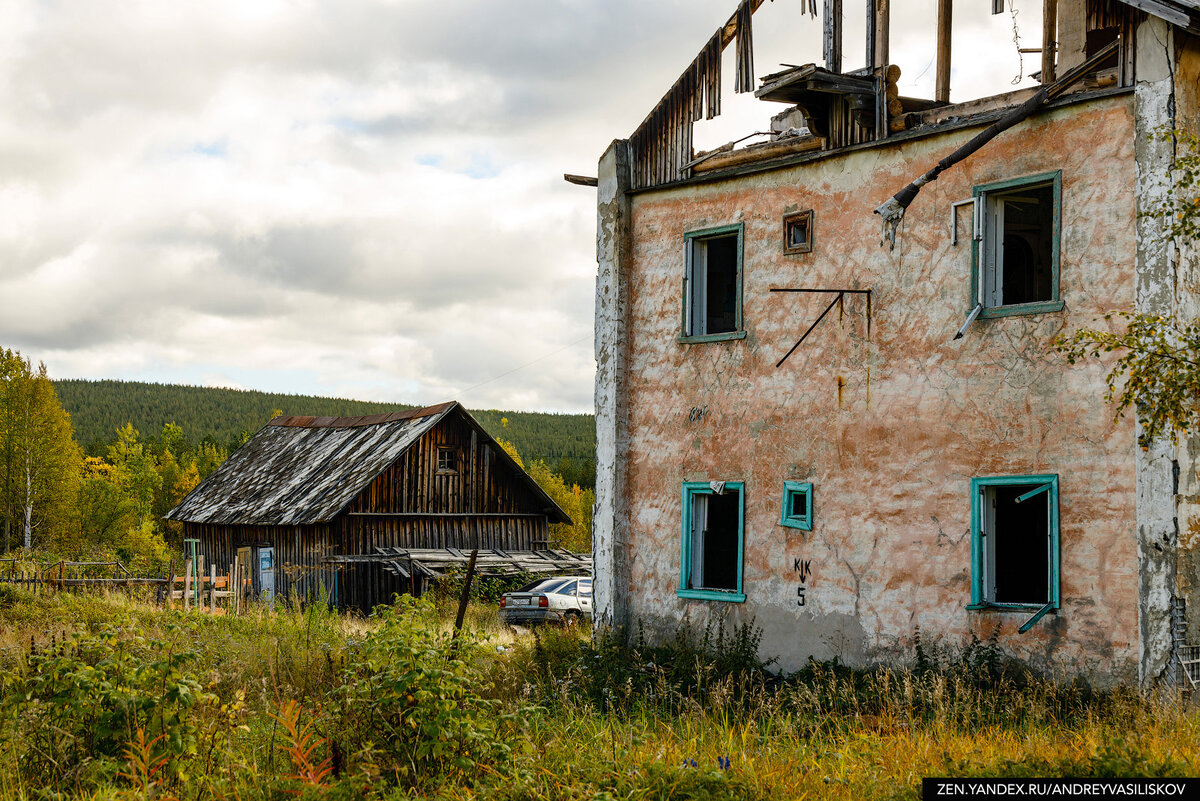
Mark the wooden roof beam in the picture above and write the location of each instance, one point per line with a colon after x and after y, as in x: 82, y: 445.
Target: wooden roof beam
x: 729, y: 32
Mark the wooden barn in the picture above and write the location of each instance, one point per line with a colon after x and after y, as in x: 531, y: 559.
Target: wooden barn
x: 305, y: 495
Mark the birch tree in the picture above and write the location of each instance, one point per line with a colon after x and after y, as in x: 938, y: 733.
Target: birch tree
x: 41, y: 462
x: 1158, y: 372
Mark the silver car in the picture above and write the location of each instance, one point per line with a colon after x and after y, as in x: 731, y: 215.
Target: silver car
x: 562, y: 599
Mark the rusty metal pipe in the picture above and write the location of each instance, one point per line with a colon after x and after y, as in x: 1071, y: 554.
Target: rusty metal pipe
x: 892, y: 210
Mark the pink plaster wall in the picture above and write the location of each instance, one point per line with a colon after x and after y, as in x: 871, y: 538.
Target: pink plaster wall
x: 919, y: 414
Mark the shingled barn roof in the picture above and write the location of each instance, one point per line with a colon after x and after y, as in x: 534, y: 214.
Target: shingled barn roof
x: 302, y: 470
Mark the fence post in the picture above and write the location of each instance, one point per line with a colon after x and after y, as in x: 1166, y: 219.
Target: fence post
x: 61, y: 568
x: 212, y: 589
x: 466, y: 592
x: 235, y: 581
x: 187, y: 584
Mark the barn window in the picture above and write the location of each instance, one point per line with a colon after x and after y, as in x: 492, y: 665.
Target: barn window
x: 797, y: 232
x: 797, y: 505
x: 1014, y: 543
x: 712, y: 541
x: 1015, y: 268
x: 712, y: 285
x: 447, y: 460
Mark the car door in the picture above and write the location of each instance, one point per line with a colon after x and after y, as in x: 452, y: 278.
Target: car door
x: 585, y: 597
x: 564, y: 597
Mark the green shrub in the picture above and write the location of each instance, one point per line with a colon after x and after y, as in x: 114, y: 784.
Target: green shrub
x: 410, y: 704
x: 81, y: 701
x: 447, y: 588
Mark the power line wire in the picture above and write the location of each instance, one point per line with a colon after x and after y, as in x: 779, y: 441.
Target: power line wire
x: 523, y: 366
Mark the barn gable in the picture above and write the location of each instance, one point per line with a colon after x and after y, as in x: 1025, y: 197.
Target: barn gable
x: 306, y: 470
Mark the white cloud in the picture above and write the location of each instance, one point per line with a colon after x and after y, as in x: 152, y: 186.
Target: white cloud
x: 356, y: 198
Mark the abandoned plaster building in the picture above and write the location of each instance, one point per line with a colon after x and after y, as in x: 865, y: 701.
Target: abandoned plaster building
x: 844, y: 438
x: 315, y: 504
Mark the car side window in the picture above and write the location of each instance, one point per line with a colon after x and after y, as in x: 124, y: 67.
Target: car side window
x: 585, y: 588
x: 568, y: 588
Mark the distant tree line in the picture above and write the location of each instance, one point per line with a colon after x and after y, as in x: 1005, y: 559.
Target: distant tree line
x: 106, y: 502
x: 225, y: 418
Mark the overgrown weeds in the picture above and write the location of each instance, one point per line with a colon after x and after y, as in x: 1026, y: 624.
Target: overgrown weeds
x: 108, y: 698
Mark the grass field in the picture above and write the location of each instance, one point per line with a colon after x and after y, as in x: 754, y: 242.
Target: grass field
x: 115, y: 698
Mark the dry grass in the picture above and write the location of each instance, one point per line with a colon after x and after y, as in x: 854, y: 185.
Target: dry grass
x: 832, y: 734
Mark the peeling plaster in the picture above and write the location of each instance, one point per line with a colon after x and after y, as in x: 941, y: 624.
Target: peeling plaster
x: 610, y: 556
x: 892, y: 463
x: 1154, y: 105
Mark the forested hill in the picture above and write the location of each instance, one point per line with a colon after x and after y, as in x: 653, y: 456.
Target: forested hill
x: 223, y: 416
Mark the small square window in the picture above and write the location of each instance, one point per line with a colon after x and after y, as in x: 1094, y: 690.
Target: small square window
x: 447, y: 460
x: 712, y: 285
x: 1014, y: 542
x: 1016, y: 261
x: 713, y: 530
x: 797, y: 505
x: 797, y: 232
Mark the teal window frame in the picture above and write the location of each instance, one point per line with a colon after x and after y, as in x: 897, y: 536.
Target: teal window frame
x: 1050, y: 482
x: 790, y: 490
x: 980, y: 195
x: 689, y: 239
x: 690, y: 489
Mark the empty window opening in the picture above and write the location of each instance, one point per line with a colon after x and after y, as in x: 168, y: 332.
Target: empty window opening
x: 715, y: 520
x: 1016, y: 541
x: 447, y: 460
x: 711, y: 559
x: 1096, y: 40
x: 1016, y: 261
x: 797, y: 505
x: 1019, y: 247
x: 713, y: 291
x: 1018, y: 552
x: 797, y: 232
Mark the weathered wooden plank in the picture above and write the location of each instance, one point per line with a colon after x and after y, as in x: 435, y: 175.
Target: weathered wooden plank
x: 833, y: 36
x: 1049, y: 38
x: 945, y: 17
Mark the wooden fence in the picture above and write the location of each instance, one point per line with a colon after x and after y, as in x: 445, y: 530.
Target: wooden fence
x: 207, y: 592
x: 196, y: 588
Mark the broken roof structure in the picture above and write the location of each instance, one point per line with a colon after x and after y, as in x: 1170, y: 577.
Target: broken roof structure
x: 304, y: 470
x: 846, y: 437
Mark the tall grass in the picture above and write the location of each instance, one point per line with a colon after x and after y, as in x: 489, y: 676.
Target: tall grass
x: 114, y: 698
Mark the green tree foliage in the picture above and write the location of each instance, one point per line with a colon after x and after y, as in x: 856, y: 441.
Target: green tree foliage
x: 39, y: 460
x: 125, y: 495
x: 224, y: 418
x: 1158, y: 372
x: 576, y: 501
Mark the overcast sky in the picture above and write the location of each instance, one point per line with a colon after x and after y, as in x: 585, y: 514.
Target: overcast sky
x: 357, y: 199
